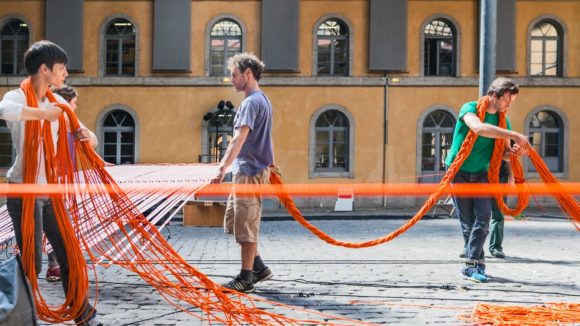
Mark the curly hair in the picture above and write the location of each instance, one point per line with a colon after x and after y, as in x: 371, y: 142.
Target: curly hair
x: 246, y: 60
x: 502, y: 85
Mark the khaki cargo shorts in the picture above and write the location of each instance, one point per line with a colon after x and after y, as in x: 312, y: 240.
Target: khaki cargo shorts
x: 243, y: 212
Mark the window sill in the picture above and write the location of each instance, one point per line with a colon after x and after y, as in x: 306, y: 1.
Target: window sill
x: 320, y: 174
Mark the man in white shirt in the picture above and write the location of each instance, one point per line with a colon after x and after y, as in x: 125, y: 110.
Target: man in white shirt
x: 46, y: 66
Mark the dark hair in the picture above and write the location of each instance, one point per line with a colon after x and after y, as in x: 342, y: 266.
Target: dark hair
x: 247, y: 60
x: 67, y: 92
x: 502, y: 85
x: 43, y: 52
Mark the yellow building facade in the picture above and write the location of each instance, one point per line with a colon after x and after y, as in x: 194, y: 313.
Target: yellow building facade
x: 337, y: 119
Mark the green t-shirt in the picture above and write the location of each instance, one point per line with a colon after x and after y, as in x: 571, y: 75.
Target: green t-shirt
x: 478, y: 159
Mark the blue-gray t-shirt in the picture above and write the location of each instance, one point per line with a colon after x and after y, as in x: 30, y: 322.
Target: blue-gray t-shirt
x: 256, y: 154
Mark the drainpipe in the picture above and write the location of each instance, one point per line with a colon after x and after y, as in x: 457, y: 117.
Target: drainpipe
x: 385, y: 132
x: 487, y: 46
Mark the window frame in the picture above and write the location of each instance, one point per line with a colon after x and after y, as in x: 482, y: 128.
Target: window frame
x: 103, y: 45
x: 457, y: 45
x: 351, y: 36
x: 206, y: 156
x: 312, y: 171
x: 419, y: 145
x: 101, y: 129
x: 562, y: 45
x: 3, y: 22
x: 211, y: 23
x: 564, y: 141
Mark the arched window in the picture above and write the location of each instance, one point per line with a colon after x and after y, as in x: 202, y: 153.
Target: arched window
x: 332, y: 46
x: 546, y: 135
x: 119, y: 137
x: 436, y: 138
x: 120, y: 48
x: 218, y: 128
x: 439, y: 57
x: 546, y: 49
x: 14, y: 38
x: 225, y: 42
x: 332, y: 142
x: 6, y: 149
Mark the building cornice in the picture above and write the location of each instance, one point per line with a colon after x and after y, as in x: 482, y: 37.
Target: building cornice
x: 11, y: 81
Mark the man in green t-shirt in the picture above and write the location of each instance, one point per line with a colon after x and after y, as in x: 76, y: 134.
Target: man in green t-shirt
x: 475, y: 213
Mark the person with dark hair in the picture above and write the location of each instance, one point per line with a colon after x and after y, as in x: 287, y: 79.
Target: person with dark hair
x: 251, y: 154
x: 474, y: 213
x: 45, y: 63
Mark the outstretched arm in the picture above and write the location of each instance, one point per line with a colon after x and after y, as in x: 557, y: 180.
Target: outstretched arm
x: 491, y: 131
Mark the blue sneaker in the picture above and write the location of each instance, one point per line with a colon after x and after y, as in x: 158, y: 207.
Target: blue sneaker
x: 470, y: 272
x: 481, y: 268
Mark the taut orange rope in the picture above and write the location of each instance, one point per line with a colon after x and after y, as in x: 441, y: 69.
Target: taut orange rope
x: 567, y: 201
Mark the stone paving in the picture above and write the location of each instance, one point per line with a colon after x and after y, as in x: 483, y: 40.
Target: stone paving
x: 413, y: 279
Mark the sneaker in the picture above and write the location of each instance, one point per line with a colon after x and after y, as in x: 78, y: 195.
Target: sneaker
x: 237, y: 284
x: 470, y: 272
x: 53, y: 274
x: 497, y: 253
x: 463, y: 254
x: 481, y: 269
x: 264, y: 275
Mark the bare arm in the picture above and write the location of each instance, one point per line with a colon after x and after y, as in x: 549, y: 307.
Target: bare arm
x: 85, y: 135
x: 232, y: 152
x: 491, y: 131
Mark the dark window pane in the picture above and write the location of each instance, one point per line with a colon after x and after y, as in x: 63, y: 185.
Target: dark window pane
x: 110, y: 137
x: 110, y: 150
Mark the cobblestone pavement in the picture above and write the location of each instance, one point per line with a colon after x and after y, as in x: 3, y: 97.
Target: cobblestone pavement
x: 413, y: 279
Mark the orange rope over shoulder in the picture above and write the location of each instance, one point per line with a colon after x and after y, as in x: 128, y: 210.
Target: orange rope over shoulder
x: 567, y: 201
x: 34, y: 148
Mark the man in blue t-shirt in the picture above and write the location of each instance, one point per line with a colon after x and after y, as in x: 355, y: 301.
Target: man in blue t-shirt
x: 475, y: 212
x: 250, y: 153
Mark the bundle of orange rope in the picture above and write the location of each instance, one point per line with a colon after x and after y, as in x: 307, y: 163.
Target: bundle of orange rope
x: 113, y: 229
x: 547, y: 314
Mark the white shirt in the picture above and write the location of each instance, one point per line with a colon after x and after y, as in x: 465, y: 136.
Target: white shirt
x: 11, y: 110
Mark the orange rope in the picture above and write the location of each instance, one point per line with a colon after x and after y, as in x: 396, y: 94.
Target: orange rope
x: 34, y: 132
x: 107, y: 225
x: 321, y: 190
x: 567, y: 201
x: 547, y: 314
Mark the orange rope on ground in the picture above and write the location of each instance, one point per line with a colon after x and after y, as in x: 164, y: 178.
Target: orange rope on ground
x: 107, y: 225
x: 547, y: 314
x: 568, y: 204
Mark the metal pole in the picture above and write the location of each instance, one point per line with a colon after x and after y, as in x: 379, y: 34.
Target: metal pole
x: 487, y: 47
